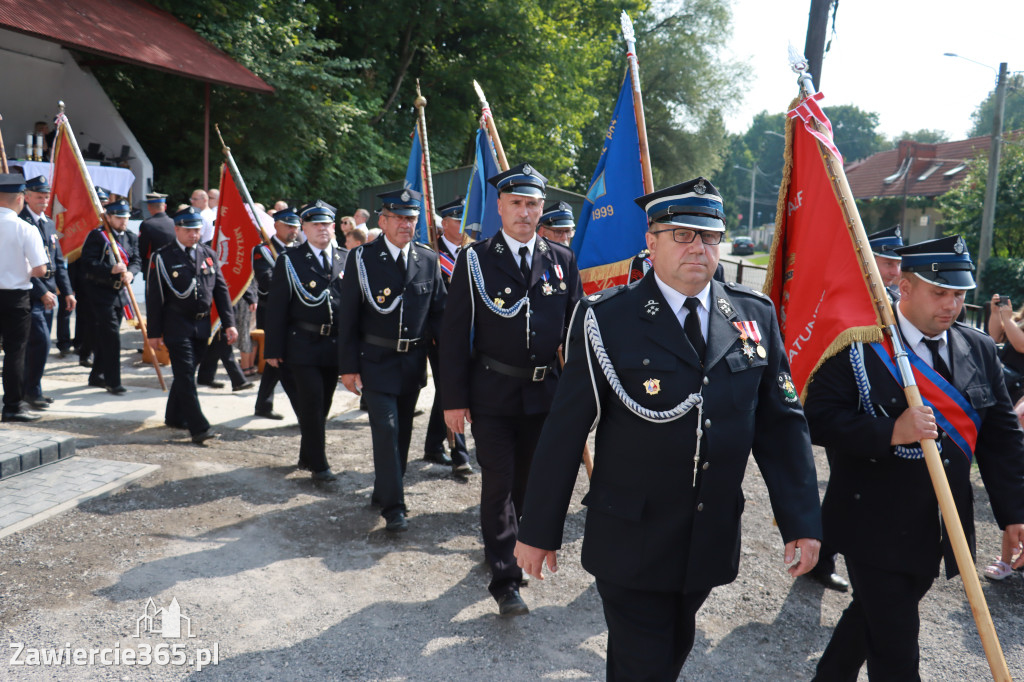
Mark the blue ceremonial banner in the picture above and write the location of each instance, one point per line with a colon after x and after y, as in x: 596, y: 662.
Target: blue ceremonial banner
x: 611, y: 226
x: 414, y: 181
x: 480, y: 217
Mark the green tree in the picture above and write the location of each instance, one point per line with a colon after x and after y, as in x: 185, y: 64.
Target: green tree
x: 962, y: 206
x: 926, y: 135
x: 1013, y: 109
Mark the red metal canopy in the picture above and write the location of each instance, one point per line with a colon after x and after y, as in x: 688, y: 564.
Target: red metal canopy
x: 129, y: 31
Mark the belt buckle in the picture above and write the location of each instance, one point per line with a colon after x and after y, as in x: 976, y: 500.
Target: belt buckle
x: 200, y: 316
x: 539, y: 373
x: 403, y: 345
x: 118, y: 284
x: 325, y: 330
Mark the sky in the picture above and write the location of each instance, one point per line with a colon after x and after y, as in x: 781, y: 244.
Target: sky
x: 886, y: 57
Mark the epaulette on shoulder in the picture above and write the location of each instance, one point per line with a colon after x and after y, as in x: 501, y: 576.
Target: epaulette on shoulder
x: 743, y: 289
x: 604, y: 294
x: 973, y: 329
x: 424, y: 247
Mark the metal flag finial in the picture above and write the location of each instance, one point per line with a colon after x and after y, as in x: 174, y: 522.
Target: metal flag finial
x: 798, y: 62
x: 627, y: 27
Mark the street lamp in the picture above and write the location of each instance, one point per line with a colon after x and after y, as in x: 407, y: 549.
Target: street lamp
x: 988, y: 211
x: 753, y: 183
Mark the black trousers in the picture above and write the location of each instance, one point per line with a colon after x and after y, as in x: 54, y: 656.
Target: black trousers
x: 183, y: 398
x: 650, y: 634
x: 437, y: 431
x: 391, y: 428
x: 15, y: 319
x: 880, y: 626
x: 220, y: 351
x: 106, y: 336
x: 38, y: 349
x: 314, y: 392
x: 63, y: 324
x: 504, y: 450
x: 268, y: 382
x: 83, y: 312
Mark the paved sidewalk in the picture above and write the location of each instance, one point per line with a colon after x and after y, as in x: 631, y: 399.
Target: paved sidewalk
x: 41, y: 493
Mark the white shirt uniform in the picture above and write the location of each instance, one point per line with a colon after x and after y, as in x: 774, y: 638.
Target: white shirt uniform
x: 21, y: 249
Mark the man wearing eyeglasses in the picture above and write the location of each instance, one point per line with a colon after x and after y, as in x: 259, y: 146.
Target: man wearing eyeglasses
x: 682, y: 377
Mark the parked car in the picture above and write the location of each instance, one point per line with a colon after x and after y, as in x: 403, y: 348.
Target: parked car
x: 742, y: 246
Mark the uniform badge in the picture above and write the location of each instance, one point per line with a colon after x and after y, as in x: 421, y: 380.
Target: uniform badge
x: 898, y: 232
x: 761, y: 352
x: 499, y: 302
x: 561, y: 285
x: 381, y: 299
x: 700, y: 187
x: 312, y: 284
x: 406, y: 196
x: 725, y: 307
x: 958, y: 246
x: 508, y: 290
x: 593, y: 297
x: 174, y: 274
x: 788, y: 389
x: 547, y: 289
x: 499, y: 247
x: 387, y: 292
x: 527, y: 170
x: 748, y: 350
x: 652, y: 307
x: 652, y: 386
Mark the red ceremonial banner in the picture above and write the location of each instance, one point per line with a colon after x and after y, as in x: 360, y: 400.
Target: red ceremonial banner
x: 72, y: 200
x: 814, y: 276
x: 237, y: 233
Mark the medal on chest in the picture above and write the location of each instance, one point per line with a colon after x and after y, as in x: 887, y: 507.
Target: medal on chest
x: 545, y: 287
x: 749, y: 332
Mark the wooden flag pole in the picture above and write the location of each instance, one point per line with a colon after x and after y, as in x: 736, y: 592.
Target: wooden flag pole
x: 421, y: 118
x: 141, y: 323
x: 638, y: 101
x: 240, y: 183
x: 950, y: 515
x: 3, y: 153
x: 492, y: 128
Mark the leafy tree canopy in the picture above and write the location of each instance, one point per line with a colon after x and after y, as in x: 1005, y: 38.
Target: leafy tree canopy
x: 926, y: 135
x: 1013, y: 108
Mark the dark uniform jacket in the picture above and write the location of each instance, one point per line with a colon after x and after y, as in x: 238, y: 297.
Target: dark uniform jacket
x: 155, y: 232
x: 172, y: 316
x: 386, y: 369
x: 98, y: 258
x: 56, y: 277
x: 296, y: 332
x: 471, y: 331
x: 647, y: 526
x: 879, y: 508
x: 263, y: 267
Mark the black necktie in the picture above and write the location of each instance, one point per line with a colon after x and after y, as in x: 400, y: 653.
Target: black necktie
x: 938, y: 364
x: 692, y: 327
x: 323, y: 261
x: 401, y: 263
x: 524, y: 267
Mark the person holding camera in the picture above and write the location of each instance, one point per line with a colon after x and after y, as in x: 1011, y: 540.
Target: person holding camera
x: 1004, y: 326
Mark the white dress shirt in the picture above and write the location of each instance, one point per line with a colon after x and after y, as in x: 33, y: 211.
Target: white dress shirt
x: 915, y: 341
x: 394, y: 250
x: 21, y: 249
x: 677, y: 302
x: 515, y: 245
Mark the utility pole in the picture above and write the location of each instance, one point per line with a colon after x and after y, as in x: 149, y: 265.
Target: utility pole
x: 753, y: 180
x: 814, y: 46
x: 988, y: 211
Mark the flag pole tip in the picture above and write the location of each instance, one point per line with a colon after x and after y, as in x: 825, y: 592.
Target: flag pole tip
x: 420, y: 102
x: 60, y: 105
x: 627, y: 26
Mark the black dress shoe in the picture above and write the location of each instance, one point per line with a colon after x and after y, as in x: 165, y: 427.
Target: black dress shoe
x: 37, y: 403
x: 462, y: 471
x: 20, y: 417
x: 832, y: 581
x: 211, y: 384
x: 117, y: 390
x: 85, y: 362
x: 511, y: 604
x: 397, y: 524
x: 242, y: 387
x: 438, y: 457
x: 206, y: 435
x: 325, y: 475
x: 176, y: 425
x: 98, y: 383
x: 268, y: 414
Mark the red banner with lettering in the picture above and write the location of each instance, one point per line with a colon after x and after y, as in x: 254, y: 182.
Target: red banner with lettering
x: 73, y: 204
x: 814, y: 276
x: 236, y: 233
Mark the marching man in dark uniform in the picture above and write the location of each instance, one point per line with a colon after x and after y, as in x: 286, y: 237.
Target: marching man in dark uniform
x: 85, y: 344
x: 286, y: 231
x: 184, y: 281
x: 508, y: 309
x: 391, y: 308
x: 449, y: 243
x: 880, y: 509
x: 682, y: 376
x: 45, y: 291
x: 557, y: 223
x: 105, y: 277
x: 885, y: 245
x: 157, y: 230
x: 302, y: 330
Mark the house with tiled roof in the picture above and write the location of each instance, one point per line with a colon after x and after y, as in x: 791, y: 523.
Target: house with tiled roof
x: 902, y: 185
